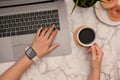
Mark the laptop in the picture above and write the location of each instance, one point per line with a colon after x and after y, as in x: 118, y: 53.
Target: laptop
x: 19, y: 21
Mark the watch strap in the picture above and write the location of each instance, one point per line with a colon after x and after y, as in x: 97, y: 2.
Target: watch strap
x: 31, y: 54
x: 35, y: 58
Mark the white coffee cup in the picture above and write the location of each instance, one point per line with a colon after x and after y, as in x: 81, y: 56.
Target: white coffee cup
x: 85, y: 36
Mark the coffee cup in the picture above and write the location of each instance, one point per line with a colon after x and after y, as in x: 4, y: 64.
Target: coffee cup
x: 85, y: 36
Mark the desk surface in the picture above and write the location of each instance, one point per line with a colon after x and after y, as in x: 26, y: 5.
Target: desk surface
x: 76, y: 65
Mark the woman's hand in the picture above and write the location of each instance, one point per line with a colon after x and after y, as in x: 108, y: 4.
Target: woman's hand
x: 97, y: 56
x: 96, y: 60
x: 43, y: 39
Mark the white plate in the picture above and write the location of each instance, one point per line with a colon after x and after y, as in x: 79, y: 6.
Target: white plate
x: 103, y: 15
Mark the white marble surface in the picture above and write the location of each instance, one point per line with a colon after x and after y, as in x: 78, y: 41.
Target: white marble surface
x: 76, y: 65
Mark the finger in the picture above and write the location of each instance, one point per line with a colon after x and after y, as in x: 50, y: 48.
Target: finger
x: 38, y: 32
x: 49, y: 31
x: 52, y: 36
x: 93, y: 51
x: 89, y: 50
x: 97, y: 45
x: 43, y: 32
x: 98, y: 49
x: 53, y: 46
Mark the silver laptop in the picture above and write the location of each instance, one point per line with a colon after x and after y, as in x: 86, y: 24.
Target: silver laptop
x: 19, y: 21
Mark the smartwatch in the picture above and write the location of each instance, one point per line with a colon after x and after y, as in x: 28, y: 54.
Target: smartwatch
x: 31, y: 54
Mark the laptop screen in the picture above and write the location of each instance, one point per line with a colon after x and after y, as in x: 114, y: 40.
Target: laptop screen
x: 4, y: 3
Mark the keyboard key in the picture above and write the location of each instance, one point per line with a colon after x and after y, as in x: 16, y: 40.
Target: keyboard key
x: 49, y: 12
x: 54, y: 11
x: 17, y: 29
x: 47, y: 16
x: 32, y: 14
x: 49, y: 20
x: 2, y: 30
x: 15, y: 16
x: 23, y: 24
x: 0, y: 22
x: 35, y: 27
x: 36, y: 22
x: 19, y: 24
x: 45, y: 12
x: 14, y: 25
x: 4, y: 22
x: 19, y: 15
x: 8, y: 21
x: 30, y: 18
x: 4, y: 35
x: 40, y: 22
x: 53, y: 20
x: 21, y: 20
x: 27, y: 23
x: 1, y: 27
x: 52, y: 16
x: 13, y: 20
x: 34, y: 18
x: 26, y: 19
x: 58, y: 28
x: 36, y: 13
x: 9, y: 30
x: 44, y: 21
x: 17, y: 20
x: 43, y: 25
x: 0, y: 35
x: 26, y: 32
x: 40, y: 13
x: 39, y: 18
x: 10, y: 17
x: 1, y: 17
x: 56, y: 15
x: 13, y: 33
x: 47, y: 25
x: 21, y: 28
x: 6, y: 26
x: 27, y: 15
x: 30, y: 27
x: 13, y: 29
x: 8, y: 34
x: 26, y: 28
x: 23, y: 15
x: 43, y: 17
x: 32, y: 23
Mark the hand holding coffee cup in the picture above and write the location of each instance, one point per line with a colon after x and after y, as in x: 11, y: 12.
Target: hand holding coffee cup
x: 85, y: 36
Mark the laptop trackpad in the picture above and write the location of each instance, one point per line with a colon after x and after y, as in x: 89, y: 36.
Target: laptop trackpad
x: 19, y: 44
x: 5, y: 49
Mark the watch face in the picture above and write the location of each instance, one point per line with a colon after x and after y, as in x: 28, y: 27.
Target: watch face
x: 30, y: 53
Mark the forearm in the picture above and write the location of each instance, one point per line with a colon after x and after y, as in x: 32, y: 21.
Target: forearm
x: 94, y: 74
x: 16, y: 71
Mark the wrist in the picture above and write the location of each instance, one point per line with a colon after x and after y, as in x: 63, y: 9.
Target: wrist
x: 31, y: 54
x: 27, y: 59
x: 95, y: 66
x: 97, y: 69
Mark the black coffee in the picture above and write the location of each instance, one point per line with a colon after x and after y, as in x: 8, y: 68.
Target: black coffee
x: 86, y: 36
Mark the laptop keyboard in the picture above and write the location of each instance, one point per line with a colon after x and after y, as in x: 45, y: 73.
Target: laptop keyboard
x: 27, y: 23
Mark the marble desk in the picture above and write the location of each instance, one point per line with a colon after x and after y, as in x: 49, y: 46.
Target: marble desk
x: 76, y: 66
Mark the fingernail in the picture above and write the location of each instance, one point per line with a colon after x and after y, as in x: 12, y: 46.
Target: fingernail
x: 53, y: 25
